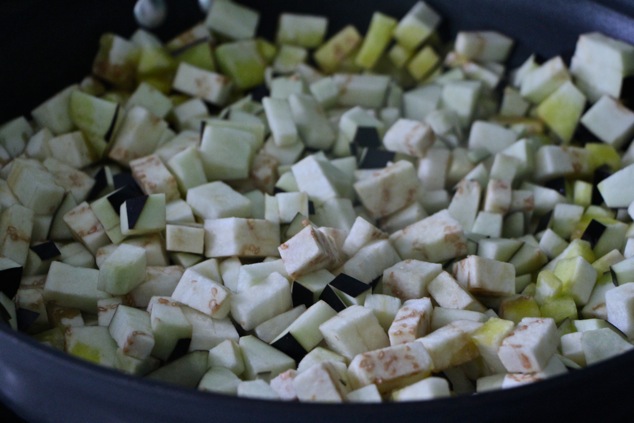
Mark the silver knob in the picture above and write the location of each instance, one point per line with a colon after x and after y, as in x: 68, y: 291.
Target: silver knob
x: 150, y: 13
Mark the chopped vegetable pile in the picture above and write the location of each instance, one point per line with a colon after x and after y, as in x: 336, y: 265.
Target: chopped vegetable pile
x: 328, y: 216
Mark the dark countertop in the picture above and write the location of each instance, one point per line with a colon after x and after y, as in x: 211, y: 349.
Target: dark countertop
x: 9, y: 416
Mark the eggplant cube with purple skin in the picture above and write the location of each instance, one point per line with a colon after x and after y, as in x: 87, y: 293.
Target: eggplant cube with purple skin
x: 154, y: 178
x: 435, y: 239
x: 169, y: 325
x: 530, y: 346
x: 262, y: 361
x: 389, y: 189
x: 11, y: 275
x: 143, y: 215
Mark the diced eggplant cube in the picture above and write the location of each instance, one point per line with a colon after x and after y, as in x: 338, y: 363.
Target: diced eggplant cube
x: 261, y: 360
x: 91, y: 343
x: 262, y: 301
x: 143, y: 215
x: 447, y: 292
x: 282, y: 384
x: 227, y: 354
x: 123, y: 270
x: 391, y: 367
x: 154, y: 178
x: 308, y: 251
x: 417, y: 25
x: 187, y: 371
x: 241, y: 237
x: 485, y: 276
x: 619, y: 303
x: 217, y: 200
x: 337, y: 48
x: 389, y: 189
x: 203, y: 294
x: 370, y: 261
x: 483, y: 46
x: 184, y: 239
x: 132, y: 330
x: 35, y: 187
x: 208, y: 332
x: 220, y: 380
x: 353, y: 331
x: 106, y: 308
x: 412, y: 321
x: 301, y: 30
x: 530, y: 346
x: 321, y: 382
x: 232, y: 20
x: 137, y: 136
x: 169, y: 327
x: 73, y: 287
x: 435, y: 239
x: 209, y: 86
